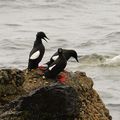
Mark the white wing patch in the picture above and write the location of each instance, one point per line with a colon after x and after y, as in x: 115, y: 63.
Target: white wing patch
x: 50, y: 68
x: 55, y: 57
x: 35, y: 55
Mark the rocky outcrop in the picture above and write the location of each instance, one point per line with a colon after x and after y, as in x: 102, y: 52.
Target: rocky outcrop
x: 38, y: 98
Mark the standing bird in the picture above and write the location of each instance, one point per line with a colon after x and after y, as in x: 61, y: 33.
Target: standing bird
x: 57, y: 66
x: 37, y: 51
x: 67, y: 53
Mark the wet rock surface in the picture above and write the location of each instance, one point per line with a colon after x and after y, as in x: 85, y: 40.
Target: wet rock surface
x: 38, y: 98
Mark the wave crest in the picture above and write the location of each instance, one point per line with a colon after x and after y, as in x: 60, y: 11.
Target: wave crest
x: 100, y: 60
x: 115, y: 61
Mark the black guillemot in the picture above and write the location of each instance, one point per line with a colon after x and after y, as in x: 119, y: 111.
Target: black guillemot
x: 67, y: 53
x: 57, y: 66
x: 37, y: 51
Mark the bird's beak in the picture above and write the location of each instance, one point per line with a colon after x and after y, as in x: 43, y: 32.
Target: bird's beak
x: 46, y: 38
x: 77, y: 60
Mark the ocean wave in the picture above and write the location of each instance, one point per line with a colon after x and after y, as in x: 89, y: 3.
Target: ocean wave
x: 115, y: 61
x: 17, y: 4
x: 116, y: 106
x: 93, y: 59
x: 30, y: 3
x: 114, y: 35
x: 86, y: 44
x: 100, y: 60
x: 12, y: 25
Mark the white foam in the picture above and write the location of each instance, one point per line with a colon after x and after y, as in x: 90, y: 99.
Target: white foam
x: 115, y: 61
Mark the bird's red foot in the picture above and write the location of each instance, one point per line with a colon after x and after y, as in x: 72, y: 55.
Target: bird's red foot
x: 42, y: 68
x: 61, y: 78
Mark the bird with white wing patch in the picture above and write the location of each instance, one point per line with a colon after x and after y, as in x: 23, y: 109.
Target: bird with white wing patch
x: 57, y: 66
x: 37, y: 51
x: 67, y: 53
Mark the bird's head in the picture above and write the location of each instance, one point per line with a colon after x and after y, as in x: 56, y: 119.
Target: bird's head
x: 74, y: 54
x: 41, y: 35
x: 60, y: 50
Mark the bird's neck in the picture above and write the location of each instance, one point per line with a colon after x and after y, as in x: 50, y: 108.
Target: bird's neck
x: 37, y: 41
x: 61, y: 55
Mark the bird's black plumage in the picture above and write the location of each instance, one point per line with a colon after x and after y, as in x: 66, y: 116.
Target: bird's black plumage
x: 57, y: 66
x: 37, y: 51
x: 67, y: 53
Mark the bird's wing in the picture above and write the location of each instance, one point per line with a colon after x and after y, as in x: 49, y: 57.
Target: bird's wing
x: 51, y: 67
x: 35, y: 55
x: 55, y: 57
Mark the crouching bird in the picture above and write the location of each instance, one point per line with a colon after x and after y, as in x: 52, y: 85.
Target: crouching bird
x: 57, y: 66
x: 37, y: 51
x: 66, y: 52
